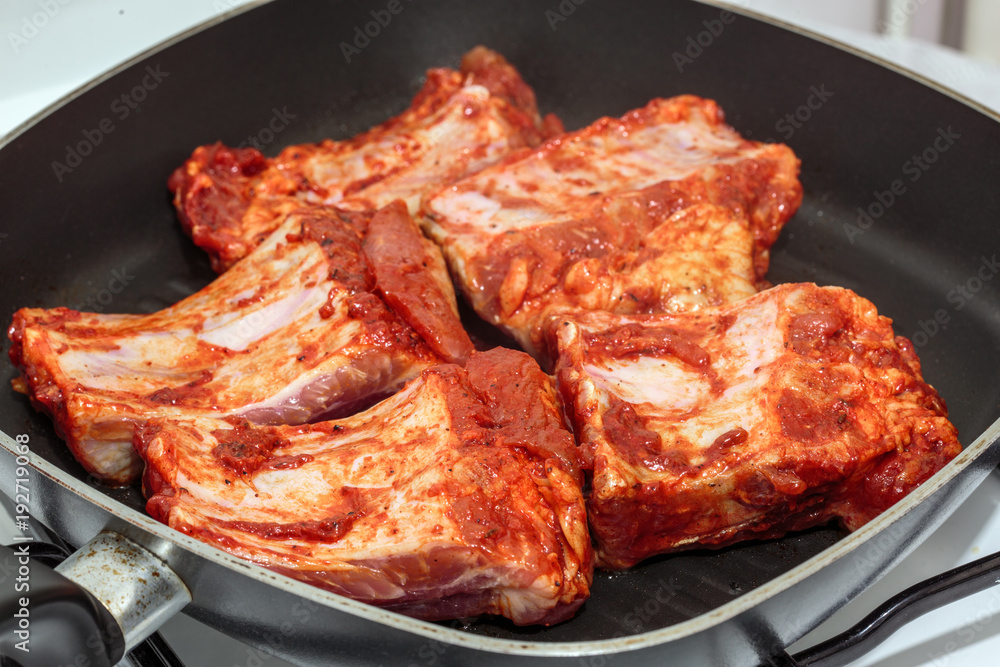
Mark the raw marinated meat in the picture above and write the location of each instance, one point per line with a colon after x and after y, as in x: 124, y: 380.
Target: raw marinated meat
x: 458, y: 496
x: 325, y: 317
x: 602, y: 219
x: 793, y: 407
x: 319, y: 409
x: 230, y: 199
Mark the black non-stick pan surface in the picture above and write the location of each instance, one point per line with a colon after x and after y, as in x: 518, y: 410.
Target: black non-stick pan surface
x: 902, y: 204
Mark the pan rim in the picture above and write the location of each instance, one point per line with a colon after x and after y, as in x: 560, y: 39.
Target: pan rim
x: 849, y: 544
x: 844, y: 547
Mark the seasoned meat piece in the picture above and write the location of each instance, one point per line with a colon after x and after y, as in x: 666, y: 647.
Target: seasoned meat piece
x: 599, y: 219
x: 793, y: 407
x: 460, y: 495
x: 230, y: 199
x: 321, y: 319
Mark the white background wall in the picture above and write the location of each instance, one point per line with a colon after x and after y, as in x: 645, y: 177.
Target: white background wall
x: 982, y: 30
x: 978, y: 30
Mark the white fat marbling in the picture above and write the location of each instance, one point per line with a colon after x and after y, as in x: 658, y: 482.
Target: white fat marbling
x: 668, y: 384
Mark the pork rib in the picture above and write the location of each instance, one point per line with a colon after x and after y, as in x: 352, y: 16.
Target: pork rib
x: 306, y: 326
x: 791, y: 408
x: 460, y: 495
x: 230, y: 199
x: 593, y: 219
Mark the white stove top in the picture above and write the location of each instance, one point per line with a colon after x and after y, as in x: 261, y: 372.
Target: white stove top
x: 53, y: 46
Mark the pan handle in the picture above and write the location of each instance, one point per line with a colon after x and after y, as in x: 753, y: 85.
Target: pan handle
x: 99, y: 603
x: 915, y: 601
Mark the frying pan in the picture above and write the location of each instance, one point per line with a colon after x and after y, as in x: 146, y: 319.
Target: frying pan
x: 99, y: 233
